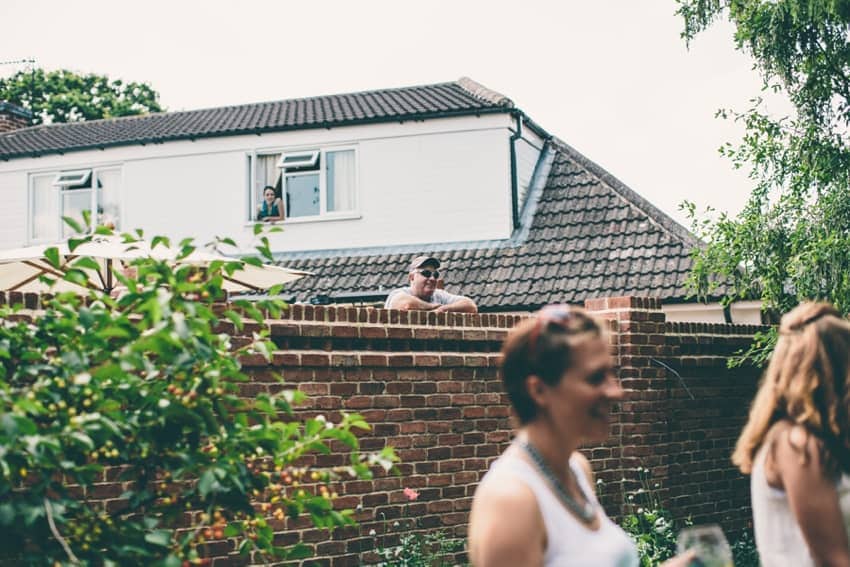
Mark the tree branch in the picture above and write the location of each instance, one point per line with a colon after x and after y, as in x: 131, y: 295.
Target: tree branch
x: 56, y: 533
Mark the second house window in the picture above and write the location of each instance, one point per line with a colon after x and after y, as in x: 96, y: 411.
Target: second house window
x: 309, y: 183
x: 57, y: 194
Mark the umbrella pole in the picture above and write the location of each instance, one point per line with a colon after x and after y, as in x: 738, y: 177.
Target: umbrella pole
x: 108, y: 275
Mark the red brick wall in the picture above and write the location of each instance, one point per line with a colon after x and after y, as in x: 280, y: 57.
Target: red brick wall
x: 429, y: 386
x: 681, y: 415
x: 427, y: 383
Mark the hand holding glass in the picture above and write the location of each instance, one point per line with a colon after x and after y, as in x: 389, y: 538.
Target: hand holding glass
x: 711, y: 546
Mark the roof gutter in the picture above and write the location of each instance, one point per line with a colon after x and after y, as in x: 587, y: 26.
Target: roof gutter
x: 259, y: 131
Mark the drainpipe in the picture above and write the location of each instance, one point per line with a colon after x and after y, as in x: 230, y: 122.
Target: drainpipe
x: 514, y: 189
x: 727, y: 314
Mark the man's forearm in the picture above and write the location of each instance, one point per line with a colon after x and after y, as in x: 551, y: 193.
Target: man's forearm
x: 464, y: 305
x: 408, y: 302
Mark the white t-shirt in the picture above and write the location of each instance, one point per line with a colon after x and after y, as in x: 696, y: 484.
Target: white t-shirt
x: 440, y: 296
x: 570, y: 543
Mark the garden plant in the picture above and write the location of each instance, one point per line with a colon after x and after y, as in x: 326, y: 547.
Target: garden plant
x: 144, y: 390
x: 415, y: 547
x: 655, y: 531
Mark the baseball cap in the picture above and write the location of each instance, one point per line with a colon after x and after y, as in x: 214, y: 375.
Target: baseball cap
x: 420, y: 261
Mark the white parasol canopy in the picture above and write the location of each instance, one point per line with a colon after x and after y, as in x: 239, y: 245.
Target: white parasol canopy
x: 21, y: 268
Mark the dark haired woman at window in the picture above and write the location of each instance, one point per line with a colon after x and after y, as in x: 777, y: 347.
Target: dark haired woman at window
x: 536, y: 505
x: 271, y: 209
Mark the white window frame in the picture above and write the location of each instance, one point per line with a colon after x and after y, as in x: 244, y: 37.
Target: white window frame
x: 311, y: 155
x: 63, y: 180
x: 69, y: 178
x: 299, y: 159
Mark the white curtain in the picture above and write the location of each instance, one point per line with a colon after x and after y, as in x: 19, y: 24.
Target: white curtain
x: 109, y: 197
x: 74, y: 202
x: 266, y: 172
x: 341, y: 180
x: 44, y: 211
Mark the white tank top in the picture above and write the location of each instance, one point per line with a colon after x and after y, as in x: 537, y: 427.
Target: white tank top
x: 778, y: 536
x: 569, y: 543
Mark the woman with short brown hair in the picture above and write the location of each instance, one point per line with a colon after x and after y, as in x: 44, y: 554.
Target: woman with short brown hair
x: 536, y: 504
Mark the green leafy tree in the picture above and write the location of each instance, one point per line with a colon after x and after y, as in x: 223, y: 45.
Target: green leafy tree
x: 65, y: 96
x: 792, y: 239
x: 144, y: 389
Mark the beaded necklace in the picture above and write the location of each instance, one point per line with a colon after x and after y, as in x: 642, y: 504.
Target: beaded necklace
x: 586, y: 512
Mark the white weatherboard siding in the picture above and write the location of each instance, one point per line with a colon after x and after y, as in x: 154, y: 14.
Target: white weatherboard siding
x: 195, y: 195
x: 528, y: 150
x: 418, y: 182
x: 437, y: 188
x: 13, y: 209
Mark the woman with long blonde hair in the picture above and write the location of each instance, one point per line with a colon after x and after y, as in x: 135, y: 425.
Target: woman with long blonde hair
x: 796, y: 444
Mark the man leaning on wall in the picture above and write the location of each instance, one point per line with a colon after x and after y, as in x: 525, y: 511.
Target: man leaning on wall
x: 424, y: 294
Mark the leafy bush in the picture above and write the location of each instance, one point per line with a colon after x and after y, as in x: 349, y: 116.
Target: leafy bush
x: 144, y: 390
x: 416, y: 548
x: 654, y: 531
x: 421, y: 549
x: 744, y: 552
x: 650, y: 525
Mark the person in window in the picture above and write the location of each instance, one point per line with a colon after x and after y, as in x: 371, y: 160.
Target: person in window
x: 271, y: 209
x: 796, y: 444
x: 425, y: 291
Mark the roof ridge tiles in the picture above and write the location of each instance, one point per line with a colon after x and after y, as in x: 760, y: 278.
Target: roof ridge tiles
x: 480, y: 91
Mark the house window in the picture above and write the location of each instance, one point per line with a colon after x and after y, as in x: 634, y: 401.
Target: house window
x: 310, y: 184
x: 68, y: 194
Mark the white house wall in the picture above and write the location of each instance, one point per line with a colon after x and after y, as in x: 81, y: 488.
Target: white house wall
x: 190, y: 195
x: 528, y: 150
x: 741, y: 312
x: 13, y: 210
x: 434, y: 181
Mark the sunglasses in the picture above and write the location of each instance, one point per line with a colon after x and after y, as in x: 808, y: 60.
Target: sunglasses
x: 428, y: 273
x: 559, y: 315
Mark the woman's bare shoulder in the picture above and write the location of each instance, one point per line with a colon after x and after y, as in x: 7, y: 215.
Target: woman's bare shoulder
x: 504, y: 486
x: 794, y: 448
x: 495, y: 541
x: 785, y: 436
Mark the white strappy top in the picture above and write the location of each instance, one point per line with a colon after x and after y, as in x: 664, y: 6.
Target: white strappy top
x: 570, y: 543
x: 778, y: 536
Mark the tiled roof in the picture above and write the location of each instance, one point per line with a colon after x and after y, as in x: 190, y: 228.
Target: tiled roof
x: 589, y: 236
x: 461, y: 97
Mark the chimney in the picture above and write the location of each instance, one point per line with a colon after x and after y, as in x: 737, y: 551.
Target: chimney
x: 13, y: 117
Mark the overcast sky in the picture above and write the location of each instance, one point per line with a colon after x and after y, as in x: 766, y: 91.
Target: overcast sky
x: 612, y: 78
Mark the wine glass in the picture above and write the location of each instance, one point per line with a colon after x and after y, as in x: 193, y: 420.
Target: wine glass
x: 711, y: 546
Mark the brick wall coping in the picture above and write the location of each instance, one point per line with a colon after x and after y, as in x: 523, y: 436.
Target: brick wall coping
x: 337, y: 358
x: 340, y: 314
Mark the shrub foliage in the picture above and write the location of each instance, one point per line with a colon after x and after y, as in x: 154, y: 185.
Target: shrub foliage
x: 144, y: 389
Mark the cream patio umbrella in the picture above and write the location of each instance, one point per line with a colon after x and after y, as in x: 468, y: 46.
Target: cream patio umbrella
x: 21, y: 269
